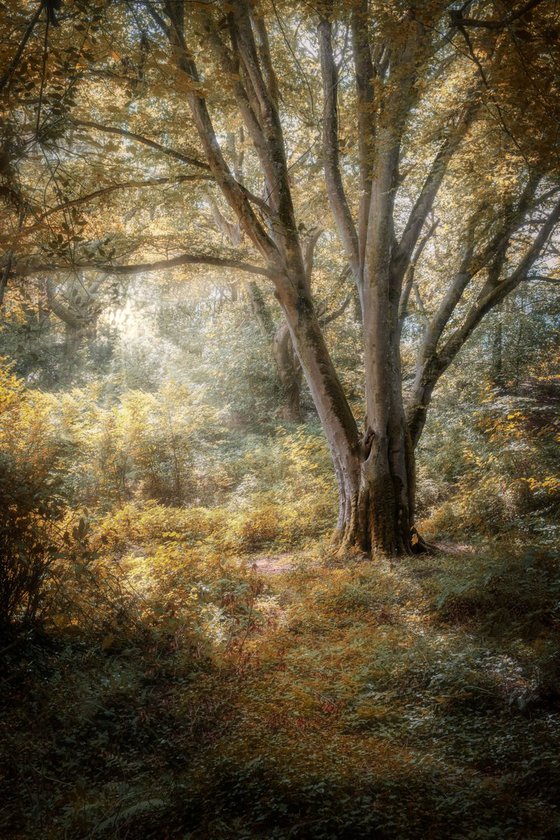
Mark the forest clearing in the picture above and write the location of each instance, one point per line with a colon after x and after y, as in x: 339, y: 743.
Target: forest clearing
x: 279, y: 420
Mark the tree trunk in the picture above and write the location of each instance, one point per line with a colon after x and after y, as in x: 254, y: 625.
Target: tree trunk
x: 387, y: 481
x: 289, y: 374
x: 76, y: 335
x: 4, y: 276
x: 375, y: 476
x: 497, y: 365
x: 337, y: 420
x: 286, y: 359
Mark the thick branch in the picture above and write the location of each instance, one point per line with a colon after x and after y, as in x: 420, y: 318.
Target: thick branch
x: 430, y: 188
x: 262, y: 83
x: 365, y: 74
x: 234, y: 193
x: 335, y: 188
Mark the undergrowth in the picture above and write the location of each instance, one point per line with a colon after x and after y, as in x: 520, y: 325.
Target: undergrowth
x: 161, y: 679
x: 394, y: 701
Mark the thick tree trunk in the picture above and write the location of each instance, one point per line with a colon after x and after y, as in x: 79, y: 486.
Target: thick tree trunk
x: 375, y: 475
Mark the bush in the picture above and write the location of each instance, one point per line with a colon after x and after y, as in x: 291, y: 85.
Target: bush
x: 28, y: 543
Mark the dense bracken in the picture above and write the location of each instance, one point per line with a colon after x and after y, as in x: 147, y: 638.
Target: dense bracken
x: 210, y: 669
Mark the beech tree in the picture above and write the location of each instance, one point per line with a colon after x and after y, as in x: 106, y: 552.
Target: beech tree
x: 437, y: 136
x: 391, y: 59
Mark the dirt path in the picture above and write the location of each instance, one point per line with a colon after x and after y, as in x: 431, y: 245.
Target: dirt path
x: 273, y: 564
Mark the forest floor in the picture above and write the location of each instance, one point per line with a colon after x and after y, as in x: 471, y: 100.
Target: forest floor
x: 299, y: 698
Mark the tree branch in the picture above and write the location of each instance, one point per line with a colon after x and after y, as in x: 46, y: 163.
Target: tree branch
x: 82, y: 199
x: 23, y: 269
x: 430, y: 188
x: 540, y: 278
x: 146, y: 141
x: 458, y: 20
x: 234, y: 193
x: 335, y: 188
x: 21, y: 47
x: 336, y: 313
x: 365, y: 75
x: 411, y: 270
x: 166, y: 150
x: 489, y: 298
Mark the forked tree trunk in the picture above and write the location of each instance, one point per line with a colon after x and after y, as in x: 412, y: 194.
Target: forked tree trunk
x: 375, y: 475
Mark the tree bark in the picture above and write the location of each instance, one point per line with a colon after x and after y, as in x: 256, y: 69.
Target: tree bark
x: 336, y: 418
x: 375, y: 475
x: 289, y: 374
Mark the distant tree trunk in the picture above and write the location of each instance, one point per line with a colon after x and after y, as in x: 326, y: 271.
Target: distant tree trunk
x: 4, y: 277
x: 79, y: 319
x: 497, y: 356
x: 76, y: 335
x: 289, y: 373
x: 288, y: 366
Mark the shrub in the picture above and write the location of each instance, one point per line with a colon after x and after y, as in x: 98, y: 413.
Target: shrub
x: 28, y: 544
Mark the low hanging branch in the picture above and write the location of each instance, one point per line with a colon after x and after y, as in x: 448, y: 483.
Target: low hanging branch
x: 145, y: 141
x: 27, y: 269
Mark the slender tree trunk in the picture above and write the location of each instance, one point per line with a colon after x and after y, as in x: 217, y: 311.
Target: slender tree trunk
x: 288, y: 366
x: 497, y: 356
x: 4, y: 276
x: 289, y: 374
